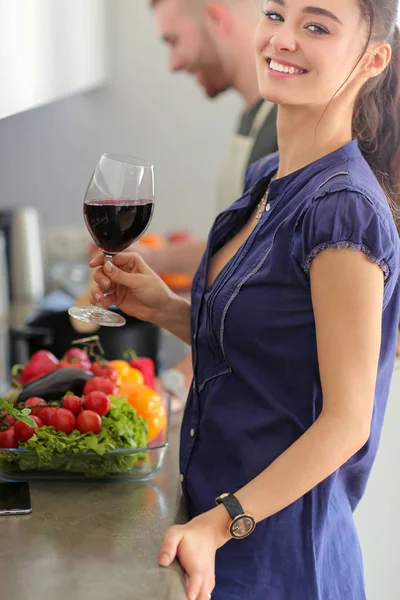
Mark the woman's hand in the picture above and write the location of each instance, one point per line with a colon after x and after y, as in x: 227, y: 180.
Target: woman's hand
x: 195, y: 545
x: 130, y: 284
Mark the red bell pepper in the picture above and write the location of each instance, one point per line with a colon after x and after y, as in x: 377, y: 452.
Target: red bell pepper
x: 144, y: 364
x: 41, y: 363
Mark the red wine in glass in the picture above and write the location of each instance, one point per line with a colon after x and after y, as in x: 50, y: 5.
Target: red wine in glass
x: 118, y: 208
x: 116, y: 224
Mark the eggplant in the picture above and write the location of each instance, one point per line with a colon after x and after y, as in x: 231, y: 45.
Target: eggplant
x: 51, y: 387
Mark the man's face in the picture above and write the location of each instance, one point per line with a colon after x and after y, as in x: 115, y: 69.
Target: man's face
x: 190, y: 46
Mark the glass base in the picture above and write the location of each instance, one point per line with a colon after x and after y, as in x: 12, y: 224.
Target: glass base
x: 97, y: 315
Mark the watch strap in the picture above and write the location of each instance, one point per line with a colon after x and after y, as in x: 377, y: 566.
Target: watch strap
x: 231, y: 504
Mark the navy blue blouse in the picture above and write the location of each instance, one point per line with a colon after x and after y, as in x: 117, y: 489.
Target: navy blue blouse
x: 257, y: 388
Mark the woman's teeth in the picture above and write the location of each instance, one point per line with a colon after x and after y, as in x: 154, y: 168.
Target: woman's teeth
x: 275, y: 66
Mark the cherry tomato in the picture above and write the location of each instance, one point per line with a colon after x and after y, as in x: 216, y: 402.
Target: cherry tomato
x: 5, y: 418
x: 105, y: 369
x: 99, y: 402
x: 100, y: 384
x: 34, y: 402
x: 47, y: 413
x: 88, y: 422
x: 7, y: 438
x: 24, y: 432
x: 72, y: 403
x: 63, y: 420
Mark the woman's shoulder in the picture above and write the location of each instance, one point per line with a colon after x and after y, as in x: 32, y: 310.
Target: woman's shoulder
x: 351, y: 184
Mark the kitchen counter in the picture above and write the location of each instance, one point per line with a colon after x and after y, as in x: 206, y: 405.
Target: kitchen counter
x: 93, y: 541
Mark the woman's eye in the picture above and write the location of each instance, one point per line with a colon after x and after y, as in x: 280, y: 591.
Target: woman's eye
x: 273, y: 16
x: 318, y: 29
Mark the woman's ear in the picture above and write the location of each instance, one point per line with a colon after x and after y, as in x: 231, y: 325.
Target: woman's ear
x: 378, y: 59
x: 219, y: 17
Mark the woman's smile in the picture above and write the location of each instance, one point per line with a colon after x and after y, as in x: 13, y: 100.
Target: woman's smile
x: 283, y: 68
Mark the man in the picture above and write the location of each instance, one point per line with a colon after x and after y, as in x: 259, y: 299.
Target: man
x: 212, y: 40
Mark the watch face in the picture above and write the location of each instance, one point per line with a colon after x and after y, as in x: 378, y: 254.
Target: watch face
x: 242, y: 526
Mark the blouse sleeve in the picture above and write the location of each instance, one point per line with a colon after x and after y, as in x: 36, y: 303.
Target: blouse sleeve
x: 346, y: 219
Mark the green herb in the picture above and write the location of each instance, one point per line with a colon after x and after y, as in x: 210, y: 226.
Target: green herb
x: 20, y: 415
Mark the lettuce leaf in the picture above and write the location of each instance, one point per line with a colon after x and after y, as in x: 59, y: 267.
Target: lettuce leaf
x: 121, y: 428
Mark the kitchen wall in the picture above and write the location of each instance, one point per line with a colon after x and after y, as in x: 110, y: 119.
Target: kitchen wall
x: 378, y: 516
x: 47, y: 155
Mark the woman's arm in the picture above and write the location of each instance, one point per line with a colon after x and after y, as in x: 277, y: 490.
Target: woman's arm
x: 347, y: 295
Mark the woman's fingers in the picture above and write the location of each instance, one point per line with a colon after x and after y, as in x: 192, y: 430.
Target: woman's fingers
x: 194, y: 588
x: 169, y: 547
x: 97, y: 261
x: 98, y: 298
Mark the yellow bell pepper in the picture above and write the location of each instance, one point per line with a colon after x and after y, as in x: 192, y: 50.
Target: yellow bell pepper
x: 126, y: 373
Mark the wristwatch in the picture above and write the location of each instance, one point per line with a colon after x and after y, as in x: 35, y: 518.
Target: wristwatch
x: 242, y: 524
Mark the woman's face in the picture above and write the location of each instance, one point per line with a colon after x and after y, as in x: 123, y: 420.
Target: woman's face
x: 306, y: 49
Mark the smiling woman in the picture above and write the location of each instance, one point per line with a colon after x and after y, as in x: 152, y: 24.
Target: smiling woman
x: 294, y: 317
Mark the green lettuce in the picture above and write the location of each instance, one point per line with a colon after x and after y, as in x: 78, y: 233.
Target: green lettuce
x: 88, y: 453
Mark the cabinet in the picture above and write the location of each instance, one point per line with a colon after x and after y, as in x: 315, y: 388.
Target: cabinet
x: 50, y: 49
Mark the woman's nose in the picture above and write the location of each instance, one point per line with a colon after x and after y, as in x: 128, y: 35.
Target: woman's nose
x: 284, y: 39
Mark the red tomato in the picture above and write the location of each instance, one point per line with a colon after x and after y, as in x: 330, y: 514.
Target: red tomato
x: 7, y: 438
x: 34, y: 402
x: 47, y: 413
x: 72, y: 403
x: 23, y: 432
x: 105, y: 369
x: 63, y: 420
x: 100, y: 384
x: 99, y: 402
x: 5, y: 418
x: 88, y: 422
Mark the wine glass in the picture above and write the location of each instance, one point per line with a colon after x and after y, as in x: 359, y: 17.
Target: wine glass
x: 118, y: 208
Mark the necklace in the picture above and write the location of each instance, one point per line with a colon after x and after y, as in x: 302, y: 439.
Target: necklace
x: 261, y: 205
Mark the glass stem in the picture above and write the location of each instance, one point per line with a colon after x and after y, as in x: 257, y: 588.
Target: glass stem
x: 110, y: 258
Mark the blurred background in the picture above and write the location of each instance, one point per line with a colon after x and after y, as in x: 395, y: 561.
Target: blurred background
x: 83, y: 77
x: 91, y: 77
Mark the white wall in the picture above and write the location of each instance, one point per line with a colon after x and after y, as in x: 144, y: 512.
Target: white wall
x: 378, y: 516
x: 47, y: 155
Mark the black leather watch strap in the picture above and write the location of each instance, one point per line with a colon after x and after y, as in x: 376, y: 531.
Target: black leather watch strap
x: 231, y: 504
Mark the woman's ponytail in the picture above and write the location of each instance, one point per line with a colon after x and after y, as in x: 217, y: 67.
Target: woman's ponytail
x: 376, y: 123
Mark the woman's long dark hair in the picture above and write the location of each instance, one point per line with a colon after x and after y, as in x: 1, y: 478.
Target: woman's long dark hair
x: 376, y: 119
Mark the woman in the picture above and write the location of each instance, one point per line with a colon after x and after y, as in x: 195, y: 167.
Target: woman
x: 294, y: 316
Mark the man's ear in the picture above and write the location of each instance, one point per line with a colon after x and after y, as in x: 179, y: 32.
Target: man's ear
x: 219, y: 17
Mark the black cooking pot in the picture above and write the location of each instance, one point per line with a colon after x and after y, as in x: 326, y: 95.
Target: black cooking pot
x: 53, y: 331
